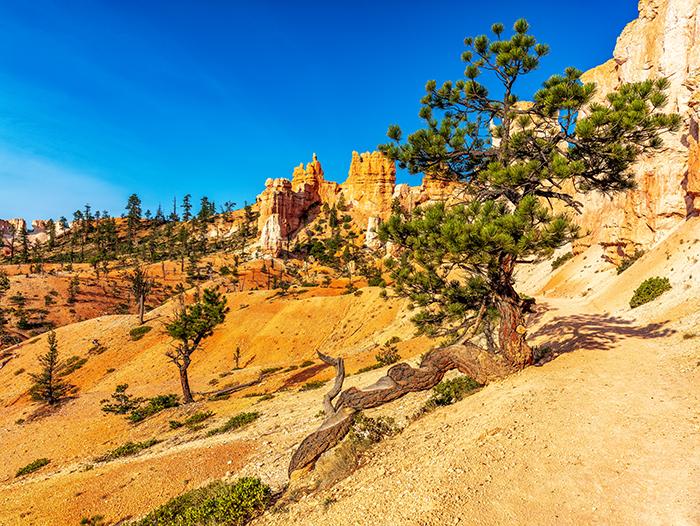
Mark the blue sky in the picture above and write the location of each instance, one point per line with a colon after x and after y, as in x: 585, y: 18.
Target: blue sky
x: 101, y: 99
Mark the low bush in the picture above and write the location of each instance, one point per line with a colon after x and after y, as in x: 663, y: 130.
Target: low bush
x: 152, y: 406
x: 367, y: 430
x: 193, y: 422
x: 388, y: 354
x: 32, y: 467
x: 128, y: 449
x: 306, y: 363
x: 450, y: 391
x: 220, y: 503
x: 628, y: 261
x: 94, y: 520
x: 72, y: 364
x: 235, y: 422
x: 369, y: 368
x: 649, y: 290
x: 314, y: 384
x: 270, y: 370
x: 122, y: 402
x: 558, y: 262
x: 139, y: 332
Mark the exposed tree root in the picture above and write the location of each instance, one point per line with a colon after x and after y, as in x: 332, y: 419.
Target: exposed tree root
x: 400, y: 380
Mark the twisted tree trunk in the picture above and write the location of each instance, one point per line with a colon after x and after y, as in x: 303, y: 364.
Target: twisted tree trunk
x: 400, y: 380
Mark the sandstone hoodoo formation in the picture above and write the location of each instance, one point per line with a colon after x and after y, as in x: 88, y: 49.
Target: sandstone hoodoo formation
x: 286, y: 205
x: 369, y: 188
x: 663, y: 42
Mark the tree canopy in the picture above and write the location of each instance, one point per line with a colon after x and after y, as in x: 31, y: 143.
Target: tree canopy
x: 519, y: 167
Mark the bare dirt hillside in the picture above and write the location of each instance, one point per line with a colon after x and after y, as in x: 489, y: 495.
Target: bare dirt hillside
x: 608, y: 434
x: 605, y: 431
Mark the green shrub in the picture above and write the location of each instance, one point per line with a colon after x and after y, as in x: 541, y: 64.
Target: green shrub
x: 561, y: 260
x: 72, y: 364
x: 270, y: 370
x: 628, y: 261
x: 314, y: 384
x: 649, y: 290
x: 376, y: 281
x: 220, y: 503
x: 450, y: 391
x: 153, y: 405
x: 367, y: 430
x: 306, y: 363
x: 235, y: 422
x: 139, y: 332
x: 193, y: 421
x: 388, y: 354
x: 369, y: 368
x: 122, y: 402
x: 94, y: 520
x: 128, y: 449
x: 32, y: 467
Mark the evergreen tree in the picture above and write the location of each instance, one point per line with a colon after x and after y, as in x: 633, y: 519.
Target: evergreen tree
x: 133, y: 216
x: 24, y: 243
x: 514, y: 161
x: 206, y: 210
x: 141, y: 286
x: 190, y: 325
x: 160, y: 217
x: 186, y: 208
x: 173, y: 215
x: 48, y: 386
x: 8, y: 238
x: 51, y: 231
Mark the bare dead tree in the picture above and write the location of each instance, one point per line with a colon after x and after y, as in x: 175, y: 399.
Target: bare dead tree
x: 400, y: 380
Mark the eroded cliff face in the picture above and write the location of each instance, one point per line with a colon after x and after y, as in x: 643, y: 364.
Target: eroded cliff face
x: 287, y: 205
x: 663, y: 42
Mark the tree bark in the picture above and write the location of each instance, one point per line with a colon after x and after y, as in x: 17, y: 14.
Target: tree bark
x: 511, y: 307
x: 400, y: 380
x: 512, y: 331
x: 185, y: 384
x: 142, y: 308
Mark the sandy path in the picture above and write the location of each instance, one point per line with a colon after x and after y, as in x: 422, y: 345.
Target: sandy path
x: 604, y: 435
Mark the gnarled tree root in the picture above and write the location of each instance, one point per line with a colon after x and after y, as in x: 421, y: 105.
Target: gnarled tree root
x: 400, y: 380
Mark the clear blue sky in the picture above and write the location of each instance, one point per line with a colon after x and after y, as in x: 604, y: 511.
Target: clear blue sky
x: 101, y: 99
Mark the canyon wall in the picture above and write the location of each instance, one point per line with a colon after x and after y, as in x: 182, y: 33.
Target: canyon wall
x: 663, y: 42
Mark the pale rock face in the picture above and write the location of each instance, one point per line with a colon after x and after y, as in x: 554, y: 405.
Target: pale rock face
x: 369, y: 187
x: 663, y: 42
x: 371, y: 235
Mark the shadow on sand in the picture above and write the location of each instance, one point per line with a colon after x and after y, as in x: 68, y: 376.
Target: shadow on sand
x: 592, y: 331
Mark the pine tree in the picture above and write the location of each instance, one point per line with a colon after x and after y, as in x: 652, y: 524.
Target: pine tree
x: 51, y: 231
x: 514, y: 160
x: 186, y: 208
x: 73, y: 289
x: 141, y: 286
x: 173, y: 215
x: 159, y: 217
x: 24, y: 243
x: 190, y: 325
x: 133, y: 209
x: 48, y: 385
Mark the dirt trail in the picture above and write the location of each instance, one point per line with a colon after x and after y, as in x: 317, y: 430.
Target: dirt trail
x: 609, y: 434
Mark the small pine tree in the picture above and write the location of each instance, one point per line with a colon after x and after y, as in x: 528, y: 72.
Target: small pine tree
x: 73, y: 289
x: 141, y: 286
x: 48, y: 385
x: 189, y: 326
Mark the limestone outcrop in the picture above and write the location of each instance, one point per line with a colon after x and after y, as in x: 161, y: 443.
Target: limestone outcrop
x: 663, y: 42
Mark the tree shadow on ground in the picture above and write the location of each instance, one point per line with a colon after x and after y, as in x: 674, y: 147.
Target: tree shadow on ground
x: 592, y: 331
